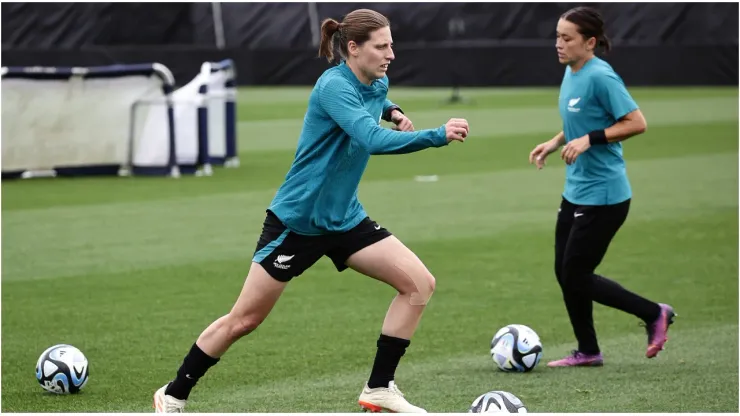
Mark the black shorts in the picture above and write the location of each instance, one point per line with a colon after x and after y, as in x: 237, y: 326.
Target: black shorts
x: 285, y: 254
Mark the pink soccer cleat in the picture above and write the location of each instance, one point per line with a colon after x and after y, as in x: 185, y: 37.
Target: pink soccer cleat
x: 579, y: 359
x: 658, y: 330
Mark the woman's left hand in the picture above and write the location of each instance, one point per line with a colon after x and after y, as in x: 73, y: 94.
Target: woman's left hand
x: 401, y: 121
x: 574, y: 148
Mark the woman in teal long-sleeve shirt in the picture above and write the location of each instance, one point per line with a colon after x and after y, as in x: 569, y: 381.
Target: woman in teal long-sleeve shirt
x: 316, y: 212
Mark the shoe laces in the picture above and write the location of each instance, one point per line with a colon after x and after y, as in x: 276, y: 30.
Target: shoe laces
x: 576, y: 353
x: 394, y: 388
x: 172, y: 406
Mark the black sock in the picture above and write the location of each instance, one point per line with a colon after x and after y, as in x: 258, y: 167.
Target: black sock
x: 390, y: 351
x: 193, y: 367
x: 610, y: 293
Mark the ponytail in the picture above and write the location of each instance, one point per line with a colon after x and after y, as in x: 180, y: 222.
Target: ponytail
x: 605, y: 43
x: 328, y: 28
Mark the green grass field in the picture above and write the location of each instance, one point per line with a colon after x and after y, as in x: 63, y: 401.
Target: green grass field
x: 131, y: 270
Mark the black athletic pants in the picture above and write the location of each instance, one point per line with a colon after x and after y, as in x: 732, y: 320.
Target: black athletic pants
x: 582, y: 236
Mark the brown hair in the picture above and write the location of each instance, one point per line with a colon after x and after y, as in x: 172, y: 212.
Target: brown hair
x: 590, y: 25
x: 356, y: 26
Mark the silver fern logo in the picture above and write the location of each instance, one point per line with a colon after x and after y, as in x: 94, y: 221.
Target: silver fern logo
x: 281, y: 259
x: 572, y: 105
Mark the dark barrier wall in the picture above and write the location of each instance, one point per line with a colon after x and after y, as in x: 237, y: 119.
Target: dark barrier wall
x: 467, y: 44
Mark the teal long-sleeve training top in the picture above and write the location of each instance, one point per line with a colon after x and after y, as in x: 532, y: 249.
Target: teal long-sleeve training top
x: 341, y: 129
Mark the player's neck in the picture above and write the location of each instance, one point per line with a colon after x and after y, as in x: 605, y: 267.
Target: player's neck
x: 577, y: 66
x: 360, y: 76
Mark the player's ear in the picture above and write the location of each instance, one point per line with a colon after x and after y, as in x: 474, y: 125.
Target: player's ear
x: 353, y: 48
x: 591, y: 44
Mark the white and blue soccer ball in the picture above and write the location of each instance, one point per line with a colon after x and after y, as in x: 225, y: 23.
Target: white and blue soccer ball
x: 62, y: 369
x: 516, y: 348
x: 497, y: 402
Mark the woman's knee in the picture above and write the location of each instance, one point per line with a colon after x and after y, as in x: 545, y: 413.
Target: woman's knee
x: 241, y: 325
x: 258, y: 296
x: 420, y: 287
x: 428, y: 283
x: 574, y: 279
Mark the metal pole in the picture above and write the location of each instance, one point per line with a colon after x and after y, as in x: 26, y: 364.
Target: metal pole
x: 218, y: 25
x: 313, y: 21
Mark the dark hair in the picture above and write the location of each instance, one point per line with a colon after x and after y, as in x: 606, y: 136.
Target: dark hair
x: 356, y: 26
x: 590, y: 25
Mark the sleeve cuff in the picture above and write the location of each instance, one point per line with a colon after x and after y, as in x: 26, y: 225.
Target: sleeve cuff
x: 441, y: 139
x: 389, y: 110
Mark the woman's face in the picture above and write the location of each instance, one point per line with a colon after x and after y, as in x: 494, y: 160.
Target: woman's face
x: 571, y: 45
x: 374, y: 56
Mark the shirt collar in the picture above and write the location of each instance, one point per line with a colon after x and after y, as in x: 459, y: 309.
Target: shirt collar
x: 353, y: 78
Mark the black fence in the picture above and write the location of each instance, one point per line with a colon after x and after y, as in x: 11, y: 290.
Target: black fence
x: 466, y: 44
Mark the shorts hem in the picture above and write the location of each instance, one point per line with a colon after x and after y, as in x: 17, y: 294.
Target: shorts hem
x: 340, y: 262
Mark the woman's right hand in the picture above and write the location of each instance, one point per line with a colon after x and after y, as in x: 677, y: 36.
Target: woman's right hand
x: 540, y: 153
x: 457, y: 129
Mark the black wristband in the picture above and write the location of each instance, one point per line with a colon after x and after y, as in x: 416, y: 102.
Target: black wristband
x: 389, y: 110
x: 597, y: 137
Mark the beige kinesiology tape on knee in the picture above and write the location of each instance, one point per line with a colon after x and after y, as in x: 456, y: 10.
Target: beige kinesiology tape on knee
x: 415, y: 273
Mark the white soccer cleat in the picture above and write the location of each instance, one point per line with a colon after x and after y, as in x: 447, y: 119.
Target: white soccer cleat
x: 386, y: 398
x: 167, y: 404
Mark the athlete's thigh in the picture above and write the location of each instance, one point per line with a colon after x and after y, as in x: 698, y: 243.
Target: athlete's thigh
x: 259, y: 294
x: 562, y: 233
x: 593, y: 230
x: 344, y: 245
x: 390, y: 261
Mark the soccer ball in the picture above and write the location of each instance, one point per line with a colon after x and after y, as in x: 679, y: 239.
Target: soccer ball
x: 62, y: 369
x: 497, y: 402
x: 516, y: 348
